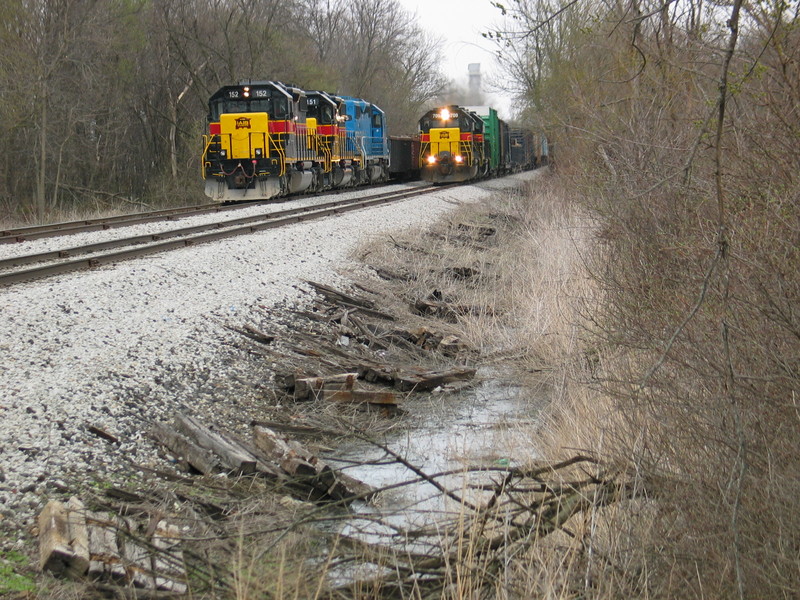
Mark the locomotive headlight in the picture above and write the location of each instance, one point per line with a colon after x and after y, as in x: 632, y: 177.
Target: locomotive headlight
x: 445, y: 114
x: 431, y: 159
x: 246, y: 92
x: 258, y: 152
x: 459, y: 159
x: 223, y: 153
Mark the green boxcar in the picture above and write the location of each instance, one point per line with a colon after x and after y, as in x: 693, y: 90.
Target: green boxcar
x: 493, y: 143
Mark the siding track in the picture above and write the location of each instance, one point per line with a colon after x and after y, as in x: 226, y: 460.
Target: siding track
x: 56, y: 261
x: 35, y: 232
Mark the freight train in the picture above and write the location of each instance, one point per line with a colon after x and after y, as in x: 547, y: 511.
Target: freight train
x: 462, y: 143
x: 267, y: 139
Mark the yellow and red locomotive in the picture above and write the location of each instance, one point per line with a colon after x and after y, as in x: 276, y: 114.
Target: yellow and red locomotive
x: 267, y: 139
x: 459, y: 143
x: 452, y: 145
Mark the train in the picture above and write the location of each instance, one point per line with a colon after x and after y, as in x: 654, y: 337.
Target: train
x: 267, y: 139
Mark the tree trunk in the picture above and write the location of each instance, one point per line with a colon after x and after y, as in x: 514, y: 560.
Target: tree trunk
x: 40, y: 179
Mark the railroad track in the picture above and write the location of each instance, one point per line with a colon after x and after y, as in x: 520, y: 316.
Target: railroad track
x: 35, y: 232
x: 56, y: 262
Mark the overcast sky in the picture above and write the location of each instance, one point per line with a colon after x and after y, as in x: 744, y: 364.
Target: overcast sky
x: 460, y: 23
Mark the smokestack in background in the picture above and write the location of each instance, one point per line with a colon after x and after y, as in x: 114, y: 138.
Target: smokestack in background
x: 474, y: 85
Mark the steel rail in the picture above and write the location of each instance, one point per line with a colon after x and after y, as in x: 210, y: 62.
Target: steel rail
x: 35, y: 232
x: 232, y: 228
x: 26, y: 259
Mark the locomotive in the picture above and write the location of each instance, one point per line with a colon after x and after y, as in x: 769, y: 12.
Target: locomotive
x: 452, y: 145
x: 267, y: 139
x: 459, y: 143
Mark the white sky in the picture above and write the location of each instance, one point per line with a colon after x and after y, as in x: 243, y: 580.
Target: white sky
x: 460, y: 23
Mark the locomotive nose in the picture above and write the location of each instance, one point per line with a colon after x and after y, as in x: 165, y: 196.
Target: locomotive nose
x: 445, y: 163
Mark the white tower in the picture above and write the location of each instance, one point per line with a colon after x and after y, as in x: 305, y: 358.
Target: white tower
x: 474, y: 87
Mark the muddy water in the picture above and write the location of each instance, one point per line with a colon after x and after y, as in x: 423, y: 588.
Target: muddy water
x: 490, y: 427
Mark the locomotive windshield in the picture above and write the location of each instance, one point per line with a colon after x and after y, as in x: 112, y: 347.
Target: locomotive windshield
x: 322, y: 112
x: 276, y: 108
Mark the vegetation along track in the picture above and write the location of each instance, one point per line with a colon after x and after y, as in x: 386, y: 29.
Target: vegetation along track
x: 152, y: 243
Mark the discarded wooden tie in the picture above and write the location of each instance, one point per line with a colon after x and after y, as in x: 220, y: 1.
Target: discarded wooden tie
x: 269, y: 455
x: 81, y: 544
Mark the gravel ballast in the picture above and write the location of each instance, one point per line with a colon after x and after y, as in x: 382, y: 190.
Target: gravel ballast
x: 117, y: 348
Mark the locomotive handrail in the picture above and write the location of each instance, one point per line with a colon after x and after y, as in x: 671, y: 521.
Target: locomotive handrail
x: 203, y: 162
x: 299, y: 149
x: 281, y: 154
x: 465, y: 149
x: 324, y: 147
x: 362, y: 150
x: 302, y: 143
x: 207, y: 140
x: 423, y: 147
x: 351, y: 148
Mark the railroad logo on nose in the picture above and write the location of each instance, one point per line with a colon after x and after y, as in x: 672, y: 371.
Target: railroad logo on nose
x: 243, y: 123
x: 445, y: 135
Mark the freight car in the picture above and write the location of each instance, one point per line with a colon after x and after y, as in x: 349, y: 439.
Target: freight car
x: 404, y: 157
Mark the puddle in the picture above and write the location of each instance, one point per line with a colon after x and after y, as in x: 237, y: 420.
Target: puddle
x: 488, y: 427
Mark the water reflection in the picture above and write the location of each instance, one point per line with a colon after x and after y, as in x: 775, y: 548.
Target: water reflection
x: 488, y: 427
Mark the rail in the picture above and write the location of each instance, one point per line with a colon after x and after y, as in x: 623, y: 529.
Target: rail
x: 34, y: 232
x: 150, y: 244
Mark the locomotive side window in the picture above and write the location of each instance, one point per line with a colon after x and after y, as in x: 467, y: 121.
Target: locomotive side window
x: 281, y: 109
x: 377, y: 121
x: 217, y: 108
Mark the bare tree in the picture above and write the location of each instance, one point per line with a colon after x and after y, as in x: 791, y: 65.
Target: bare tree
x: 324, y: 21
x: 677, y: 132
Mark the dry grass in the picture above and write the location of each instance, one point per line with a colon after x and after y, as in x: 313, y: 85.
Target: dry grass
x: 527, y: 275
x: 635, y: 362
x: 530, y: 291
x: 13, y: 215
